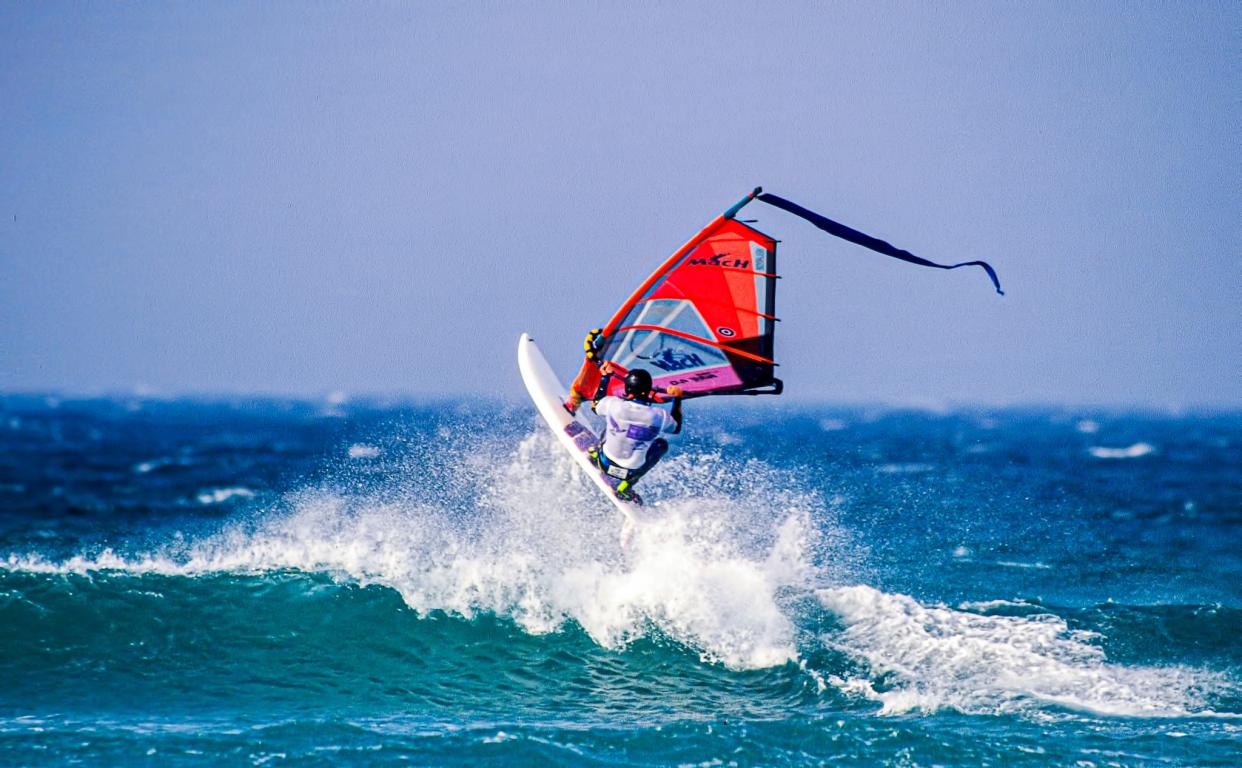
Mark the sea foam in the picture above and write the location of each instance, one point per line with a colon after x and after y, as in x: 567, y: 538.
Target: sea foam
x: 527, y: 539
x: 931, y: 657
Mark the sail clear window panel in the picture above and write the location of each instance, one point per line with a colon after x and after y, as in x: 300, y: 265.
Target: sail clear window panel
x: 677, y: 314
x: 662, y: 353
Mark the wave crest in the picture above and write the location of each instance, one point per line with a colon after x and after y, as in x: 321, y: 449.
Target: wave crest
x: 930, y: 657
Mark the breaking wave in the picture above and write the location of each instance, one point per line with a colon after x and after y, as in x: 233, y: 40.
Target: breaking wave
x: 930, y: 657
x: 727, y: 574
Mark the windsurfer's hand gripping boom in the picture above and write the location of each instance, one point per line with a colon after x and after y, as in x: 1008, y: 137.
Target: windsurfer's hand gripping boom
x: 654, y: 394
x: 603, y: 373
x: 591, y: 354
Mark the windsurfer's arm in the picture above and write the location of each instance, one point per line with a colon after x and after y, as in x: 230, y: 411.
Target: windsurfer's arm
x: 676, y: 412
x: 601, y: 391
x: 581, y: 388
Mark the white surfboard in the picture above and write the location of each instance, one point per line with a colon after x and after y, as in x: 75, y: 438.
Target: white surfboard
x: 573, y: 433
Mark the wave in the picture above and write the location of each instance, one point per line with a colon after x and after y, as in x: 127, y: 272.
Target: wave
x: 528, y: 553
x: 931, y: 657
x: 215, y: 644
x: 248, y: 640
x: 493, y: 556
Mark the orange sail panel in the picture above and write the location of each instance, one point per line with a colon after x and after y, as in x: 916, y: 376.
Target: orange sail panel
x: 705, y: 320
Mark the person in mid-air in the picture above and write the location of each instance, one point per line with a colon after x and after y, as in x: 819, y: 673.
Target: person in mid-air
x: 631, y: 443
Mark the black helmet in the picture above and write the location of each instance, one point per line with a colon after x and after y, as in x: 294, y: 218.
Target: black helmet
x: 638, y: 383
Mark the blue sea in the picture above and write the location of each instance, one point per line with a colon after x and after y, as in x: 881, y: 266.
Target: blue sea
x: 338, y: 582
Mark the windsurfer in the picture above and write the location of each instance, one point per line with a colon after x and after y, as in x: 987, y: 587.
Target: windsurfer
x: 631, y: 443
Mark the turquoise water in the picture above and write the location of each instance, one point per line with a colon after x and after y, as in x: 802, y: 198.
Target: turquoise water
x: 278, y: 582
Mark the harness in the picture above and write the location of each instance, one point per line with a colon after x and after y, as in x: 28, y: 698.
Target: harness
x: 611, y: 469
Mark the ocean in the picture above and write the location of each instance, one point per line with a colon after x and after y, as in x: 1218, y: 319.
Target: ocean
x: 284, y: 582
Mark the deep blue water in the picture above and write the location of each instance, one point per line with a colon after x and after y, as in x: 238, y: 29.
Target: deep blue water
x: 280, y: 582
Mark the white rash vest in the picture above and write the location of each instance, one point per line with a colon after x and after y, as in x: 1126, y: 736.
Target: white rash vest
x: 630, y: 429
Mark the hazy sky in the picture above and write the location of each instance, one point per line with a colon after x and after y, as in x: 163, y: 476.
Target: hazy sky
x: 300, y: 198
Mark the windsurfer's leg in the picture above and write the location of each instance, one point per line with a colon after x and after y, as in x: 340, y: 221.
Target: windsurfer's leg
x: 656, y: 452
x: 623, y: 488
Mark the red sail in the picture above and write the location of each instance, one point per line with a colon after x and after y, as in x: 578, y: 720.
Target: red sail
x: 703, y: 321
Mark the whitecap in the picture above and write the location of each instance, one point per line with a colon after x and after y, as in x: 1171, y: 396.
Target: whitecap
x: 221, y: 495
x: 363, y: 451
x: 977, y: 606
x: 912, y: 468
x: 144, y: 467
x: 1130, y: 452
x: 1022, y: 564
x: 932, y: 657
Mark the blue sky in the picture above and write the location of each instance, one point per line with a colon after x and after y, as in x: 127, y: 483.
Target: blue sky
x: 301, y: 198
